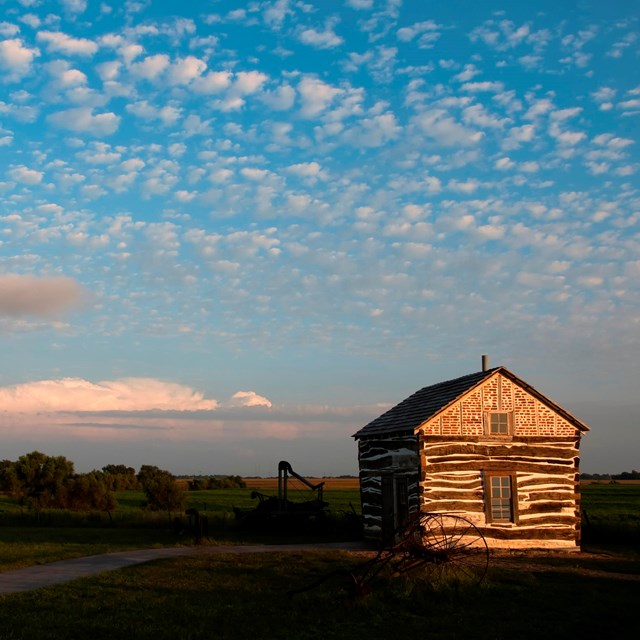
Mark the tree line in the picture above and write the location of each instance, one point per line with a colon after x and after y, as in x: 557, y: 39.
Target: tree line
x: 625, y: 475
x: 39, y: 481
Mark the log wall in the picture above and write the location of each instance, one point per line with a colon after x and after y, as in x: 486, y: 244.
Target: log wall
x: 546, y: 487
x: 385, y: 456
x: 541, y: 454
x: 450, y: 459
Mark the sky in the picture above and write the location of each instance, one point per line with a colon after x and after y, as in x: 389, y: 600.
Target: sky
x: 233, y: 233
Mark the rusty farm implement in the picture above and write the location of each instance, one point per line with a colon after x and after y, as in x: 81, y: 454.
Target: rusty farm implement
x: 438, y: 548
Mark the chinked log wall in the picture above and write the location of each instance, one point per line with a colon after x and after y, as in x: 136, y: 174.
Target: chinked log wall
x: 377, y: 457
x: 545, y: 487
x: 541, y: 455
x: 448, y: 461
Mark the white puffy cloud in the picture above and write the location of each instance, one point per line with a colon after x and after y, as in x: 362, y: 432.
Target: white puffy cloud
x: 25, y: 175
x: 406, y: 34
x: 316, y: 96
x: 375, y: 131
x: 16, y: 59
x: 281, y: 99
x: 438, y: 125
x: 75, y: 6
x: 7, y: 29
x: 22, y: 295
x: 517, y: 135
x: 83, y: 120
x: 248, y: 82
x: 151, y: 67
x: 78, y: 395
x: 63, y: 76
x: 326, y: 39
x: 248, y: 399
x: 58, y: 42
x: 186, y: 70
x: 167, y: 114
x: 478, y: 87
x: 212, y: 82
x: 305, y: 169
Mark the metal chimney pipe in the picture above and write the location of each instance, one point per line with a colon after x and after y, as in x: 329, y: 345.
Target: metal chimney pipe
x: 485, y: 362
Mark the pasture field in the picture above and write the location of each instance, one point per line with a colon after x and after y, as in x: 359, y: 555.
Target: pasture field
x: 237, y: 596
x: 240, y: 596
x: 330, y: 484
x: 611, y: 513
x: 612, y: 521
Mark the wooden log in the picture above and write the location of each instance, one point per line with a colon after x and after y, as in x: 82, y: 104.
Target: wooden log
x: 436, y: 454
x: 542, y: 467
x: 532, y: 534
x: 573, y: 440
x: 453, y: 506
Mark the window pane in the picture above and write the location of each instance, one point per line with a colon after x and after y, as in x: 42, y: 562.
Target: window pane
x: 501, y: 499
x: 500, y: 423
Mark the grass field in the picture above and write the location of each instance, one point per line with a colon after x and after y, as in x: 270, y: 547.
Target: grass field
x: 612, y: 520
x: 235, y: 596
x: 611, y: 513
x: 229, y: 596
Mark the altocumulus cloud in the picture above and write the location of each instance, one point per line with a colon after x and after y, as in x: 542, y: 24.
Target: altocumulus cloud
x: 22, y: 295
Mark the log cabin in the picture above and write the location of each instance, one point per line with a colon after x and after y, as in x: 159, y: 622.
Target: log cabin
x: 486, y: 446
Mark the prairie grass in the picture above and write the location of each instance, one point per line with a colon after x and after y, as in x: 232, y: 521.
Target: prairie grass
x: 611, y: 513
x: 231, y: 596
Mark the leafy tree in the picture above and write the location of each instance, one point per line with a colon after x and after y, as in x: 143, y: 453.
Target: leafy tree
x: 49, y: 481
x: 8, y: 477
x: 119, y: 477
x: 162, y: 491
x: 200, y: 483
x: 41, y: 479
x: 89, y: 492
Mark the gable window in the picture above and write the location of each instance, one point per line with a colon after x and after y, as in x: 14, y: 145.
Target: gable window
x: 500, y: 497
x: 499, y: 423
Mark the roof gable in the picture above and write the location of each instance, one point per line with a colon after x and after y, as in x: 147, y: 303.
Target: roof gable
x: 423, y: 405
x: 426, y: 403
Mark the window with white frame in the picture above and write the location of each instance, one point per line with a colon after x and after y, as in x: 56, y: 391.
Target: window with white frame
x: 501, y: 497
x: 501, y: 502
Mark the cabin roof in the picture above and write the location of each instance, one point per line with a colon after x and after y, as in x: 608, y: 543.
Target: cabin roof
x: 425, y: 403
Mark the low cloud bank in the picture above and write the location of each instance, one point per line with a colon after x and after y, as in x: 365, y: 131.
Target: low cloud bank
x: 126, y: 394
x: 23, y: 295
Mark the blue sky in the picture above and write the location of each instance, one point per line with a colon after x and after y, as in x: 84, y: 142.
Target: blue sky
x: 233, y: 233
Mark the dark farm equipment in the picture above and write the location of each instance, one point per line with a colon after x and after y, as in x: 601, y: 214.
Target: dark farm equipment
x: 281, y: 512
x: 441, y: 549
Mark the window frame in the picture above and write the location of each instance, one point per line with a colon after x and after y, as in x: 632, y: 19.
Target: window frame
x: 488, y: 496
x: 489, y: 424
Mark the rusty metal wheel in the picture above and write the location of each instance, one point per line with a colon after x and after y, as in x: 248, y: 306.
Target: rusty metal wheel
x: 449, y: 549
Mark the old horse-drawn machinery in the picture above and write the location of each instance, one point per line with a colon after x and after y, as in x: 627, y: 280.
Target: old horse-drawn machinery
x: 281, y: 511
x: 441, y: 549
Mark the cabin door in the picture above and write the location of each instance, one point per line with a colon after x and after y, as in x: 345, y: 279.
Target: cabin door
x: 395, y: 505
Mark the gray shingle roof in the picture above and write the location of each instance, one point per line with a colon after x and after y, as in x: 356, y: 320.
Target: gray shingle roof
x: 426, y: 403
x: 422, y: 405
